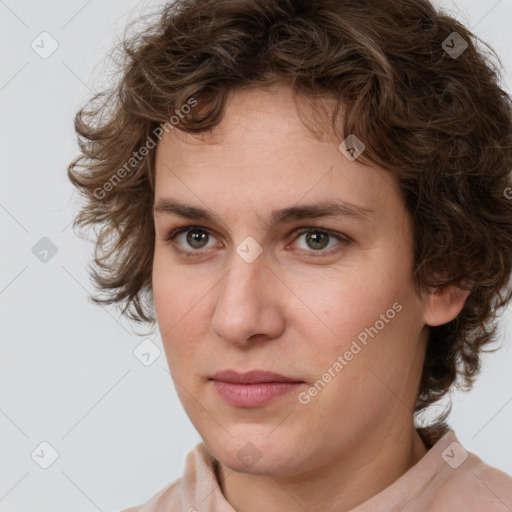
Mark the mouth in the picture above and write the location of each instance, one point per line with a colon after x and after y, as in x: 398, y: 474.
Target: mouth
x: 252, y: 377
x: 252, y: 389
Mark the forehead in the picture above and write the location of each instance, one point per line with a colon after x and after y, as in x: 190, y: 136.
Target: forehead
x: 262, y: 154
x: 264, y: 115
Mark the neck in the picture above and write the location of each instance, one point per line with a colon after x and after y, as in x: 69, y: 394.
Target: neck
x: 346, y: 481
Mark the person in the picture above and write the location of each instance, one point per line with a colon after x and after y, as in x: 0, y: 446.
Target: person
x: 310, y: 199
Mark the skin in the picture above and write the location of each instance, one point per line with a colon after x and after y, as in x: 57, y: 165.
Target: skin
x: 293, y: 310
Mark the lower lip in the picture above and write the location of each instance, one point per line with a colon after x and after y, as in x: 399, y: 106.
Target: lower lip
x: 253, y: 395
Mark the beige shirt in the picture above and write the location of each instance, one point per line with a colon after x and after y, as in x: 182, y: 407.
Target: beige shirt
x: 446, y: 479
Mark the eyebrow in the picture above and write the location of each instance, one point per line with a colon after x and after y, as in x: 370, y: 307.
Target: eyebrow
x: 332, y: 208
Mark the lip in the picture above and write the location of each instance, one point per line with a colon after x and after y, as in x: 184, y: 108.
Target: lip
x: 251, y: 377
x: 252, y: 389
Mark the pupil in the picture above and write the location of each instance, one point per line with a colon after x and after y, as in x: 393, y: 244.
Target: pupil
x: 194, y: 237
x: 314, y: 239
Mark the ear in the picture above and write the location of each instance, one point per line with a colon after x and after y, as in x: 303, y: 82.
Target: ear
x: 443, y: 304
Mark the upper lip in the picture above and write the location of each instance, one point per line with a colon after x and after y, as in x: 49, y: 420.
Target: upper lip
x: 252, y: 377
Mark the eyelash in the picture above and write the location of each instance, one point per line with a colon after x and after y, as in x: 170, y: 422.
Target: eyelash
x: 344, y: 239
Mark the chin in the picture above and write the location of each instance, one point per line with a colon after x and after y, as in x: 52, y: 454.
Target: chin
x: 254, y: 450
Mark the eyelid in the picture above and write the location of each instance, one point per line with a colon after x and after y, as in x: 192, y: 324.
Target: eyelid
x: 169, y: 238
x: 184, y: 229
x: 341, y: 237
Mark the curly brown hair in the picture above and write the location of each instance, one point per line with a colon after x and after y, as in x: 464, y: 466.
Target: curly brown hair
x: 435, y: 118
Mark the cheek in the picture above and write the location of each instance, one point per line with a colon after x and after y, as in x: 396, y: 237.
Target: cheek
x: 163, y: 299
x: 368, y: 312
x: 169, y: 300
x: 342, y: 305
x: 179, y: 303
x: 172, y: 291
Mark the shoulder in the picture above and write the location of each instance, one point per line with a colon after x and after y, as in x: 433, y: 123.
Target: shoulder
x: 167, y: 499
x: 198, y: 474
x: 472, y: 484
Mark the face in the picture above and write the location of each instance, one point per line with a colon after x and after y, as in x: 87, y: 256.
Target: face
x: 327, y: 299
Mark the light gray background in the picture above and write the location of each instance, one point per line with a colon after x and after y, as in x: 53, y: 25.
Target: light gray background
x: 68, y: 375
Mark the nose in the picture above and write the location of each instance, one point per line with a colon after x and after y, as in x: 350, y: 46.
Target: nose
x: 248, y: 303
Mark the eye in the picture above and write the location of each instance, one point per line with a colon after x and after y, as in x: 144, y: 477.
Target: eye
x: 191, y: 236
x: 191, y: 240
x: 318, y: 239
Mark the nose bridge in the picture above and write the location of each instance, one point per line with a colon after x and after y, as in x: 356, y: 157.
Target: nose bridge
x: 239, y: 286
x: 247, y: 267
x: 244, y: 301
